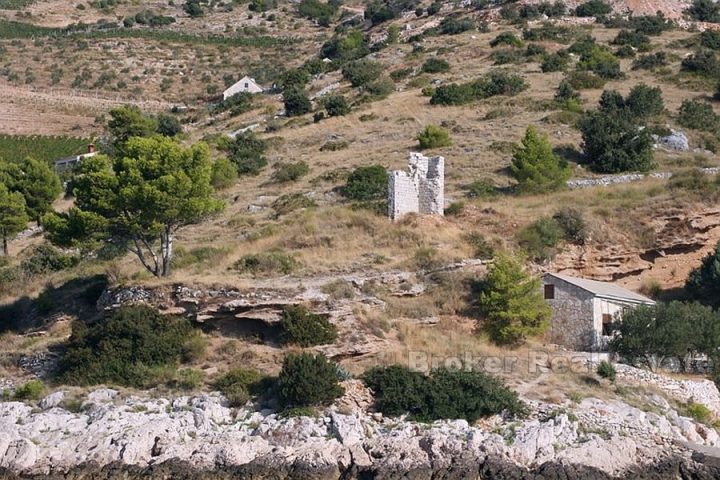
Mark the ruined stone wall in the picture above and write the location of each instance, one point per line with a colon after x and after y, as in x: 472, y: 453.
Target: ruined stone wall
x: 572, y: 323
x: 418, y: 190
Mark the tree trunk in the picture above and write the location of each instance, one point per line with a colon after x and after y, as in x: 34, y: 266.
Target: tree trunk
x: 166, y: 240
x: 5, y: 250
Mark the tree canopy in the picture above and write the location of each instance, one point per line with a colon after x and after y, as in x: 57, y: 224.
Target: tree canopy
x: 144, y: 197
x: 35, y: 181
x: 703, y: 283
x: 13, y: 217
x: 512, y: 302
x: 536, y: 168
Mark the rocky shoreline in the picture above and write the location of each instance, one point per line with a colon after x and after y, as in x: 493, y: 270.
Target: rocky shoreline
x: 111, y: 435
x: 492, y: 468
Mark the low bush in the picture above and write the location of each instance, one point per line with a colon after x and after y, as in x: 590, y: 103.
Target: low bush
x: 702, y: 62
x: 506, y: 38
x: 224, y: 173
x: 296, y: 102
x: 290, y: 202
x: 593, y: 8
x: 699, y: 116
x: 540, y: 239
x: 482, y: 249
x: 704, y: 11
x: 650, y: 61
x: 606, y: 370
x: 129, y: 348
x: 698, y: 412
x: 481, y: 189
x: 362, y: 72
x: 435, y: 65
x: 301, y: 327
x: 454, y: 26
x: 549, y: 32
x: 367, y: 183
x: 601, y: 61
x: 554, y: 62
x: 45, y: 259
x: 290, y: 172
x: 267, y: 263
x: 434, y: 137
x: 444, y: 394
x: 495, y: 83
x: 573, y: 225
x: 634, y: 39
x: 585, y: 80
x: 308, y: 380
x: 710, y: 39
x: 509, y: 55
x: 336, y: 105
x: 693, y: 180
x: 239, y: 385
x: 31, y: 390
x: 246, y: 152
x: 188, y: 379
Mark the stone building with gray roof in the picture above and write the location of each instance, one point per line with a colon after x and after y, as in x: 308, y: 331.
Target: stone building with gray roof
x: 582, y: 309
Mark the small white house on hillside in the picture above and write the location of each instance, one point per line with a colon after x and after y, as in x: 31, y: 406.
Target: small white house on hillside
x: 582, y: 310
x: 245, y: 84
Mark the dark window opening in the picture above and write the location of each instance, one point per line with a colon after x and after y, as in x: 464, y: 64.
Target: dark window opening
x: 549, y: 292
x: 606, y: 324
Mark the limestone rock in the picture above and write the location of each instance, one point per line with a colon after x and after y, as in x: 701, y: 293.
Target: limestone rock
x: 52, y: 400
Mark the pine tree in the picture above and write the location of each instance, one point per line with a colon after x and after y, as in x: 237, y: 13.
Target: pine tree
x: 535, y: 167
x: 512, y: 302
x: 13, y: 218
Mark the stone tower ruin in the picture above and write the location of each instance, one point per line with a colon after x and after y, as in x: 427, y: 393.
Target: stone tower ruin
x: 420, y: 189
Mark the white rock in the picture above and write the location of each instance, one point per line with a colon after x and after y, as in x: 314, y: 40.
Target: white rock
x: 52, y: 400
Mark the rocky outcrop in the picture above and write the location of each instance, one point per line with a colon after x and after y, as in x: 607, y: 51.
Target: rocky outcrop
x: 676, y: 234
x: 117, y: 436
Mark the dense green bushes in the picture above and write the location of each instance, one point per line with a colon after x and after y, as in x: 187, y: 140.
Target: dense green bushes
x: 495, y: 83
x: 307, y: 380
x: 246, y: 152
x: 296, y: 102
x: 703, y: 283
x: 240, y: 384
x: 301, y: 327
x: 593, y: 8
x: 433, y: 136
x: 360, y: 73
x: 444, y: 394
x: 605, y: 369
x: 129, y: 348
x: 702, y: 62
x: 539, y: 239
x: 648, y: 333
x: 698, y: 115
x: 266, y: 263
x: 367, y: 183
x: 704, y: 11
x: 435, y: 65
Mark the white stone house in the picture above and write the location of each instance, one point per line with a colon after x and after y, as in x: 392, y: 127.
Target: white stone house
x: 245, y: 84
x: 582, y: 309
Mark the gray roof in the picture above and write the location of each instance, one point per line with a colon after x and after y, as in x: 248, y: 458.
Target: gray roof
x: 604, y: 289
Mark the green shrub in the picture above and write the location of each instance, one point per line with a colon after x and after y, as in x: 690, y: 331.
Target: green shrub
x: 267, y: 263
x: 246, y: 152
x: 481, y: 189
x: 444, y: 394
x: 593, y: 8
x: 710, y: 39
x: 336, y: 105
x: 650, y: 61
x: 434, y: 137
x: 224, y: 173
x: 573, y: 225
x: 188, y: 379
x: 31, y: 390
x: 183, y: 258
x: 506, y: 38
x: 698, y: 115
x: 45, y: 259
x: 306, y: 329
x: 505, y: 56
x: 549, y: 32
x: 454, y: 26
x: 240, y: 384
x: 702, y: 62
x: 482, y: 249
x: 455, y: 208
x: 698, y: 412
x: 540, y: 238
x: 367, y: 183
x: 362, y: 72
x: 495, y: 83
x: 554, y: 62
x: 703, y: 282
x: 633, y: 39
x: 602, y: 62
x: 644, y: 101
x: 296, y: 102
x: 290, y: 202
x: 704, y: 11
x: 334, y: 145
x: 126, y: 349
x: 435, y: 65
x: 290, y: 172
x: 585, y: 80
x: 308, y: 380
x: 380, y: 88
x: 606, y: 370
